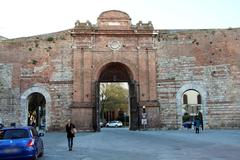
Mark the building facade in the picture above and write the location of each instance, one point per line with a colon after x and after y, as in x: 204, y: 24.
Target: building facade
x: 47, y: 79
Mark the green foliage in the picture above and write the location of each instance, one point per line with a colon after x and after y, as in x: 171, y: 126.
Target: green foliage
x: 113, y: 95
x: 186, y: 117
x: 34, y: 61
x: 50, y: 39
x: 30, y: 49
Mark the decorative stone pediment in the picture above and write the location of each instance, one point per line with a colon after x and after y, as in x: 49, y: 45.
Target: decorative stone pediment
x: 114, y: 19
x: 112, y: 22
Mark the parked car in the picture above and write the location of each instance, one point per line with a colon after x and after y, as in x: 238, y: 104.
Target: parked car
x: 20, y: 143
x: 102, y: 124
x: 114, y: 124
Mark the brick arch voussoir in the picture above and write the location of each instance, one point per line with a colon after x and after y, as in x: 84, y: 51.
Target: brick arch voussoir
x: 100, y: 66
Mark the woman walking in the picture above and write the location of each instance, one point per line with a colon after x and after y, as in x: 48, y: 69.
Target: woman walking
x: 71, y: 130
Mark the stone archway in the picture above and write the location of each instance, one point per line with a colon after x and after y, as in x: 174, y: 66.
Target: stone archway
x: 118, y: 72
x: 37, y: 110
x: 115, y: 71
x: 131, y: 68
x: 96, y: 46
x: 203, y: 94
x: 24, y: 104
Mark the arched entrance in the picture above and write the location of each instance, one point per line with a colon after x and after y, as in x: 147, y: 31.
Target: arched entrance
x: 37, y: 110
x: 28, y: 99
x: 191, y: 108
x: 118, y: 72
x: 194, y: 106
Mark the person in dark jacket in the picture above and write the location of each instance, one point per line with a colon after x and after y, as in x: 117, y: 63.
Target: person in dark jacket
x: 201, y: 119
x: 197, y: 124
x: 70, y: 127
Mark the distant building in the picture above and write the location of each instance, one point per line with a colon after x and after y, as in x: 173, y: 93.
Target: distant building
x: 47, y: 79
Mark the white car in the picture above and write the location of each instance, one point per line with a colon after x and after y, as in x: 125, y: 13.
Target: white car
x: 114, y: 124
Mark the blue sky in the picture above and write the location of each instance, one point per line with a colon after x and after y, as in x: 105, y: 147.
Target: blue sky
x: 20, y: 18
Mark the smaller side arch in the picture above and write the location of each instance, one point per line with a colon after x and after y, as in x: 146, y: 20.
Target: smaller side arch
x: 179, y: 104
x: 24, y: 103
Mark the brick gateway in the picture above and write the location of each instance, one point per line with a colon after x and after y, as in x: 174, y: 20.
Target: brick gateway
x: 65, y: 69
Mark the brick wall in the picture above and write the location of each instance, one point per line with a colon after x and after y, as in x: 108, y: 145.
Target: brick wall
x: 207, y: 58
x: 44, y: 60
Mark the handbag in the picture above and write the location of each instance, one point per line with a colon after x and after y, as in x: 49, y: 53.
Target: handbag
x: 74, y: 131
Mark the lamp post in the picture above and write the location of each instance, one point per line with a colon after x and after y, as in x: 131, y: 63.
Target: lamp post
x: 144, y: 118
x: 39, y: 117
x: 125, y: 116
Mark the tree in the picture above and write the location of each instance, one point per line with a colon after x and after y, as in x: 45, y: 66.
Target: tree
x: 112, y: 96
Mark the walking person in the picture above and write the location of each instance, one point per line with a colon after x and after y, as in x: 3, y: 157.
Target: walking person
x: 71, y: 130
x: 197, y: 124
x: 201, y: 118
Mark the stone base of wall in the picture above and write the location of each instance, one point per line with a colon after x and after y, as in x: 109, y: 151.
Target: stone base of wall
x: 153, y: 117
x: 83, y: 118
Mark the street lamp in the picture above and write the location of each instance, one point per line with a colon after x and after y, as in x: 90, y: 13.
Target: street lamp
x: 125, y: 118
x: 39, y: 118
x: 144, y: 117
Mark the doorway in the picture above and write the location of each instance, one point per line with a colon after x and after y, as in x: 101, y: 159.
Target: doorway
x: 114, y: 104
x: 118, y: 76
x: 37, y: 111
x: 192, y: 107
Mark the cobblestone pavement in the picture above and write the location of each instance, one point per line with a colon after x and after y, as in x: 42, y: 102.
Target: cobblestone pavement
x: 122, y: 144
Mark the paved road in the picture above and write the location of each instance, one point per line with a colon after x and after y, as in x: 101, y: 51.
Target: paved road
x: 122, y: 144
